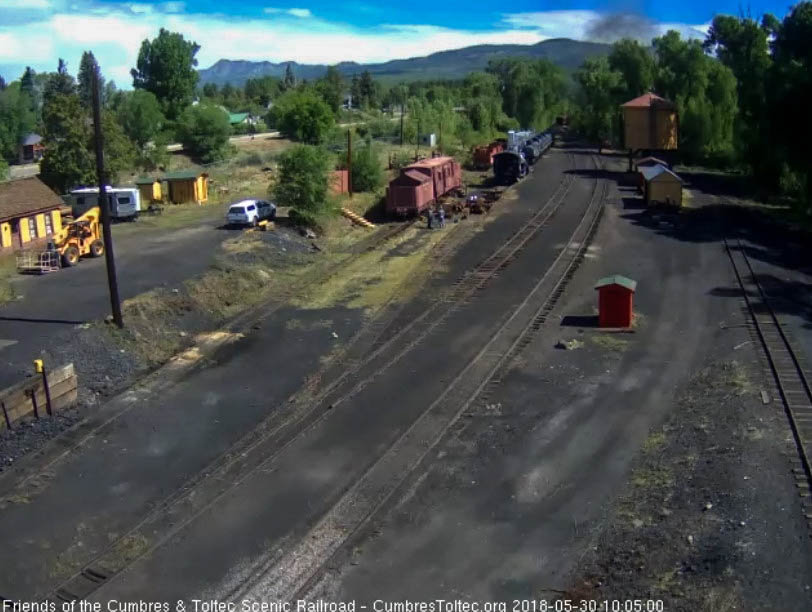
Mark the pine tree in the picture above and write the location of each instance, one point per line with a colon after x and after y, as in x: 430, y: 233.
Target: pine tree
x: 290, y: 79
x: 87, y: 66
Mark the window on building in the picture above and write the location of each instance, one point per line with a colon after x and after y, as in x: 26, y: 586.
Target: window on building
x: 49, y: 224
x: 32, y: 228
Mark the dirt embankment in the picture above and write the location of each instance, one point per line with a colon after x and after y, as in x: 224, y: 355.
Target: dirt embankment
x: 709, y: 519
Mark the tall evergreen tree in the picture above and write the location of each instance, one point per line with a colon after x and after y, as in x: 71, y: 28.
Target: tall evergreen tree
x: 59, y: 82
x: 87, y: 67
x: 290, y: 78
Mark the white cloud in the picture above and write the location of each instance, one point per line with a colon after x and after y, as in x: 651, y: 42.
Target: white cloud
x: 26, y: 4
x: 301, y: 13
x: 116, y: 35
x: 584, y: 24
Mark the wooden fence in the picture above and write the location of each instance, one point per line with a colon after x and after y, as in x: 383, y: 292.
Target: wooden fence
x: 29, y: 397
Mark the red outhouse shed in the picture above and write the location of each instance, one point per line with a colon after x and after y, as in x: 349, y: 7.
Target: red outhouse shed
x: 615, y: 301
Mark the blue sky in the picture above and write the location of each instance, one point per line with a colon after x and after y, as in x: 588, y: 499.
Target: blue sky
x: 37, y: 32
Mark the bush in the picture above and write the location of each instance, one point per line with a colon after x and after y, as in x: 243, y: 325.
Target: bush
x: 302, y: 182
x: 3, y: 169
x: 302, y: 116
x: 204, y: 132
x: 367, y: 173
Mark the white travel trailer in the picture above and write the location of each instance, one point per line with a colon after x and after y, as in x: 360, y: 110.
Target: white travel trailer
x: 125, y: 202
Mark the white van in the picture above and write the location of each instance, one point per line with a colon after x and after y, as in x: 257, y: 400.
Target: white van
x: 125, y: 202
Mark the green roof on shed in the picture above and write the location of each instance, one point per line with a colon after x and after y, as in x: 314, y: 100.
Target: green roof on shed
x: 237, y: 117
x: 617, y: 279
x: 180, y: 175
x: 145, y: 180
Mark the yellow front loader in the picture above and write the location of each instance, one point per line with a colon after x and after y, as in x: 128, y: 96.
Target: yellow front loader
x: 76, y: 239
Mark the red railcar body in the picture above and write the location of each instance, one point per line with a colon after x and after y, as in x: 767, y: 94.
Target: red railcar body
x: 483, y: 155
x: 421, y: 184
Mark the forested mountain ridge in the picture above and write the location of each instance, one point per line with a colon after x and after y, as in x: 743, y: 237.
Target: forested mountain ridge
x: 456, y: 63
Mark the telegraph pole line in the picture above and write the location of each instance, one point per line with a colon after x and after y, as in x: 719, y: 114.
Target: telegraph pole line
x: 402, y: 111
x: 104, y: 205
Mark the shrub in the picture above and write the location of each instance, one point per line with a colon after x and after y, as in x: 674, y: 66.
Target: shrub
x: 367, y: 173
x: 204, y: 132
x: 302, y: 116
x: 302, y: 182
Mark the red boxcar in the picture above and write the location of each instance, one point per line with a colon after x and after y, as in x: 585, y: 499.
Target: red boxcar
x: 421, y: 184
x: 483, y: 155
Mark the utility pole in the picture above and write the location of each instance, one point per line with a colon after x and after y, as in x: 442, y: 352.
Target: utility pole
x: 417, y: 151
x: 104, y: 205
x: 401, y: 123
x: 349, y: 162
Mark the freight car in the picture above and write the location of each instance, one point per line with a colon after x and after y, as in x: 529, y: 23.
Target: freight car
x: 483, y: 155
x: 509, y: 167
x: 420, y: 184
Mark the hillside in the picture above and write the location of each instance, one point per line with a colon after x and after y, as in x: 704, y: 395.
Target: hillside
x: 456, y: 63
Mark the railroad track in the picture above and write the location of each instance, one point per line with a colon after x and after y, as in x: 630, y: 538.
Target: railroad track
x: 292, y: 575
x: 271, y: 437
x: 785, y: 366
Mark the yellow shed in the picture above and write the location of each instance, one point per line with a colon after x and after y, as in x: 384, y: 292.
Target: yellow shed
x: 187, y: 186
x: 651, y: 123
x: 29, y: 212
x: 149, y: 189
x: 662, y: 186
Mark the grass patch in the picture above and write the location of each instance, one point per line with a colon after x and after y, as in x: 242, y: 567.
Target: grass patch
x: 397, y: 275
x: 8, y: 269
x: 732, y: 377
x: 650, y: 478
x: 126, y: 550
x: 654, y: 442
x: 610, y: 342
x: 179, y: 216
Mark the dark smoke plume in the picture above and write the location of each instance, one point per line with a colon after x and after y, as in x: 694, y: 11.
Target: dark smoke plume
x: 614, y: 26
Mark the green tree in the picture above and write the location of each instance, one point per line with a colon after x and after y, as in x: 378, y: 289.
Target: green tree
x: 204, y: 132
x: 705, y: 93
x: 3, y: 169
x: 636, y: 66
x: 211, y: 91
x: 27, y: 83
x: 331, y: 88
x: 59, y: 82
x: 119, y: 152
x: 67, y: 161
x: 16, y: 120
x: 598, y: 118
x: 3, y: 83
x: 87, y: 66
x: 166, y: 67
x: 302, y: 182
x: 289, y: 81
x: 302, y: 116
x: 741, y: 44
x: 141, y: 117
x: 790, y: 89
x: 367, y: 171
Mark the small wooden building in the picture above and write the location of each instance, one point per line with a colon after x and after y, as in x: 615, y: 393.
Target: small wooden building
x: 650, y: 123
x: 662, y: 186
x: 615, y: 301
x: 149, y: 189
x: 29, y: 213
x: 186, y: 186
x: 31, y: 149
x: 645, y: 162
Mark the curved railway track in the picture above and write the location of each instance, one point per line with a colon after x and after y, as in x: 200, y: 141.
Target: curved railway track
x: 784, y: 364
x: 292, y: 575
x: 266, y: 441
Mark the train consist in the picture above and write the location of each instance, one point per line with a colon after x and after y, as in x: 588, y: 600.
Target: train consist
x: 421, y: 184
x: 524, y: 149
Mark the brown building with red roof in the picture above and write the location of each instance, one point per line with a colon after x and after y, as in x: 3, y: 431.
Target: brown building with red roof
x: 650, y: 123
